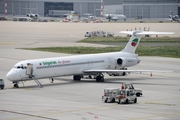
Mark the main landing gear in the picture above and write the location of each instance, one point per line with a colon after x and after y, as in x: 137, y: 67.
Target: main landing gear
x: 99, y: 77
x: 77, y: 77
x: 51, y: 79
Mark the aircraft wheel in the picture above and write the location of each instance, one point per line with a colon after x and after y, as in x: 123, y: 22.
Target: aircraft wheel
x: 102, y: 79
x: 52, y: 80
x: 16, y: 85
x: 124, y: 73
x: 90, y: 77
x: 77, y: 77
x: 97, y: 78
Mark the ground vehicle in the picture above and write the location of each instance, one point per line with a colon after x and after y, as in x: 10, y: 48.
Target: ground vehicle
x: 126, y: 96
x: 110, y: 94
x: 110, y: 34
x: 1, y: 83
x: 138, y: 91
x: 88, y: 34
x: 22, y: 19
x: 15, y: 19
x: 3, y: 18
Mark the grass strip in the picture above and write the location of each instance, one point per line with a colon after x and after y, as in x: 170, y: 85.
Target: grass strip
x: 126, y: 39
x: 166, y: 51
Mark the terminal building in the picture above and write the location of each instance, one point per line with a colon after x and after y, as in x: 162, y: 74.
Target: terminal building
x: 55, y: 8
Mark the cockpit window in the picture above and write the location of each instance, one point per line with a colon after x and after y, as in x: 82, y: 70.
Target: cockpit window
x: 20, y: 67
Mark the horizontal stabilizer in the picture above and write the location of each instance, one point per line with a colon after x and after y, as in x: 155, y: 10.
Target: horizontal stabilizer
x: 135, y: 38
x: 145, y: 33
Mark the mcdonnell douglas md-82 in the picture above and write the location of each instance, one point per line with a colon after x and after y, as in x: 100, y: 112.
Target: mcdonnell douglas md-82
x: 81, y: 65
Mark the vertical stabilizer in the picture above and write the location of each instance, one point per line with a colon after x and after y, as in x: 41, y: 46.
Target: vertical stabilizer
x: 135, y: 39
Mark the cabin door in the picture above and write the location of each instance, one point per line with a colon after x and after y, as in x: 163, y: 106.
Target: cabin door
x: 29, y: 70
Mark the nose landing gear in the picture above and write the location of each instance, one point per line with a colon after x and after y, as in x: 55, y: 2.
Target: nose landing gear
x: 16, y: 85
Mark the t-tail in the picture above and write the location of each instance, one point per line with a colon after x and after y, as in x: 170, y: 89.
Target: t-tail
x: 136, y: 37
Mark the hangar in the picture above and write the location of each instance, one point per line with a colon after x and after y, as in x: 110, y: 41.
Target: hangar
x: 131, y: 8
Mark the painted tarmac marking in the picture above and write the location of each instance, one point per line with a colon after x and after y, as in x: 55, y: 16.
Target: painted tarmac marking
x: 158, y: 103
x: 161, y: 100
x: 154, y: 116
x: 37, y: 116
x: 56, y: 112
x: 7, y: 43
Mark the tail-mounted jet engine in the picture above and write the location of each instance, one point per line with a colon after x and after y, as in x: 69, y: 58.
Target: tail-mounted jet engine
x: 126, y: 62
x: 121, y: 62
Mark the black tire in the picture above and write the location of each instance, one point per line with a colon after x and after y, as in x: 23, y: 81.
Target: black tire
x: 124, y: 73
x: 138, y: 94
x: 113, y: 100
x: 98, y: 78
x: 135, y: 100
x: 126, y: 101
x: 102, y: 79
x: 16, y: 85
x: 77, y: 77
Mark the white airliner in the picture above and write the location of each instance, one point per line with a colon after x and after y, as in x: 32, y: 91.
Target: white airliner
x: 115, y: 17
x: 81, y: 65
x: 33, y: 16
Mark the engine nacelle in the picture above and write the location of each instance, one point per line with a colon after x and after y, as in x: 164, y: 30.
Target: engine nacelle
x: 126, y: 62
x: 36, y: 15
x: 121, y: 62
x: 28, y: 15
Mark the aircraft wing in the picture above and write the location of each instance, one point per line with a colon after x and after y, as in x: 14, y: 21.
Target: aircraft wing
x: 119, y: 71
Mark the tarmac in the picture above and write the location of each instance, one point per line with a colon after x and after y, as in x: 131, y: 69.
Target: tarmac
x: 81, y: 100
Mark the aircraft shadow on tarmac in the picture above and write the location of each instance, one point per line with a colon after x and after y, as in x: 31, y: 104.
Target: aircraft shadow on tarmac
x: 115, y: 80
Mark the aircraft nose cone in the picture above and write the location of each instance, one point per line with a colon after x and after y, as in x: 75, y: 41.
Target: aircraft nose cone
x: 10, y: 75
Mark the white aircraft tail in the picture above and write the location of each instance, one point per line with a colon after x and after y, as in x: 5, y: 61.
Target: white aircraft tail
x: 136, y: 37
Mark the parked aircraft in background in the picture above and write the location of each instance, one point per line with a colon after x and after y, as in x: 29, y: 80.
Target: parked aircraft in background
x: 174, y: 18
x: 33, y: 17
x: 115, y: 17
x: 81, y: 65
x: 89, y: 16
